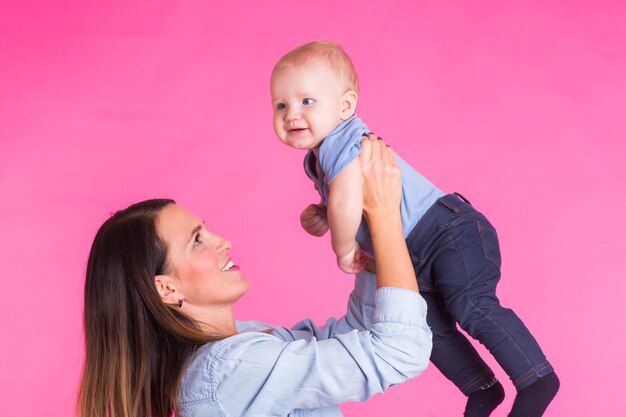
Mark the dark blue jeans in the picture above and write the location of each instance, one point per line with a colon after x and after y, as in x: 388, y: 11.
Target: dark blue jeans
x: 456, y: 256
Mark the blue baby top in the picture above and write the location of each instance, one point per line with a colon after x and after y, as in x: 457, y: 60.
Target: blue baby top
x: 340, y: 148
x: 307, y: 370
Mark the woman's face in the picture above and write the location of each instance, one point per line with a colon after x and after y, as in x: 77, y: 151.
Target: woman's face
x: 199, y: 261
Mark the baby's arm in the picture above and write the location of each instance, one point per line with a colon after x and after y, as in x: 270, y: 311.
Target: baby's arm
x: 345, y: 210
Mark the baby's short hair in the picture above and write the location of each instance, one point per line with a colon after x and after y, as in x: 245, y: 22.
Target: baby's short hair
x: 328, y: 53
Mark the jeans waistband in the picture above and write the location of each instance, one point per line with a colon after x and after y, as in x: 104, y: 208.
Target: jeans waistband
x: 444, y: 208
x: 453, y: 201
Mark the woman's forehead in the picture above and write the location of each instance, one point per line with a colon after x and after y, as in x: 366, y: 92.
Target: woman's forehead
x: 176, y: 222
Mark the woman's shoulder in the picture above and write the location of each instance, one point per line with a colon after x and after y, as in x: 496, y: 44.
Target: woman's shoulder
x: 211, y: 353
x: 206, y: 368
x: 215, y: 366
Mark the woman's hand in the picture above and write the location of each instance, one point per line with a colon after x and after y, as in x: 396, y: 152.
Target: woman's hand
x: 382, y: 185
x: 382, y: 192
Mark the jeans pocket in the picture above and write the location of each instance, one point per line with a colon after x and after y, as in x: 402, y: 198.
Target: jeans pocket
x: 489, y: 238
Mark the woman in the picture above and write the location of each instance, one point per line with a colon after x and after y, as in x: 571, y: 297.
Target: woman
x: 161, y: 335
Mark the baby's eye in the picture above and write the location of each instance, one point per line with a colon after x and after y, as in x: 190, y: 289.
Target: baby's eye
x: 196, y: 240
x: 308, y: 101
x: 281, y: 106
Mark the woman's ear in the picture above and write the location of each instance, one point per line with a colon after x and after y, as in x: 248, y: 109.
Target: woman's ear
x: 349, y: 100
x: 166, y: 289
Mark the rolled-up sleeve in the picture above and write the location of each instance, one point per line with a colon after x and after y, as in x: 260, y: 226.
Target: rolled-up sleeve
x: 359, y: 314
x: 260, y: 374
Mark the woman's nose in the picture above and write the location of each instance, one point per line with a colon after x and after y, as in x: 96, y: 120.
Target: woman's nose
x: 224, y: 245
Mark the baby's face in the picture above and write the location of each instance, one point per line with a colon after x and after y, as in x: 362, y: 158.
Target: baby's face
x: 307, y: 102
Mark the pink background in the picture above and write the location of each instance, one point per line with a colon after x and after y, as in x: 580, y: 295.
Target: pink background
x: 518, y: 105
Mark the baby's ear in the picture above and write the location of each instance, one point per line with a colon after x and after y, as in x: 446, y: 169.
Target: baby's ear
x: 349, y: 100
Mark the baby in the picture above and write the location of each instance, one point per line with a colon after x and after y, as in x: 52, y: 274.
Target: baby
x: 454, y: 248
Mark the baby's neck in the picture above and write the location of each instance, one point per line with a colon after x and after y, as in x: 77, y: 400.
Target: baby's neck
x: 316, y: 150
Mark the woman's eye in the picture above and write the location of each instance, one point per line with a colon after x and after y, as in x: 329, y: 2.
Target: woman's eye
x: 308, y: 101
x: 281, y: 106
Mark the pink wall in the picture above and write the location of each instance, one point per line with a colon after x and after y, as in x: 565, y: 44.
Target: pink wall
x: 519, y: 107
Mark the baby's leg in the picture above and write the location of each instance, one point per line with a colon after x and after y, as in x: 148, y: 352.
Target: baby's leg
x: 466, y: 274
x: 458, y: 361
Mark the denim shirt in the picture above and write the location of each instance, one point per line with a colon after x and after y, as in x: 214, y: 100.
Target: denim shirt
x: 307, y: 370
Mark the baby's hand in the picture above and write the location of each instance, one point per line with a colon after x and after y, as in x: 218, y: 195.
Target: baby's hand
x: 313, y: 219
x: 354, y: 261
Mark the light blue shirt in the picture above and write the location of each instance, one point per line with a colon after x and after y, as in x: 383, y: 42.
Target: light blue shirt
x: 340, y: 148
x: 307, y: 370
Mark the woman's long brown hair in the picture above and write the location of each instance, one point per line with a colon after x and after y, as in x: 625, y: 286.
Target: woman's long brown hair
x: 136, y: 346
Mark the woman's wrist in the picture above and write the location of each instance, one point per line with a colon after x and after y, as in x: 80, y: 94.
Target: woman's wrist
x: 393, y: 264
x: 384, y: 221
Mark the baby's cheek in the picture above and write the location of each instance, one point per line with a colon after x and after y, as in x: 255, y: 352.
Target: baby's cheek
x: 280, y: 133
